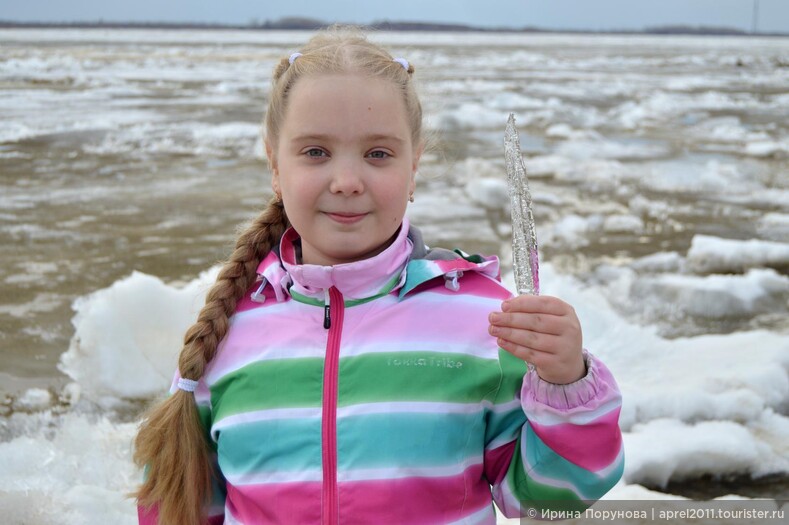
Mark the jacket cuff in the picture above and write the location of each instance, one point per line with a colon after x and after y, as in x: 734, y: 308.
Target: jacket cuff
x: 595, y: 388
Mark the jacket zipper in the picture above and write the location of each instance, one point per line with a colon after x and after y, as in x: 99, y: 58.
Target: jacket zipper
x: 334, y: 311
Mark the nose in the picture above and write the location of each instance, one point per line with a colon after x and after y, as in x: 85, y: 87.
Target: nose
x: 346, y: 177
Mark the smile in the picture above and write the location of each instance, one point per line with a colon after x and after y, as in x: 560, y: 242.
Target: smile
x: 346, y: 218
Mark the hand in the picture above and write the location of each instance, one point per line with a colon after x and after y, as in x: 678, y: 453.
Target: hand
x: 543, y: 331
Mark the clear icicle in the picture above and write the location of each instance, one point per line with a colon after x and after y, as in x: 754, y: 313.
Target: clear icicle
x: 525, y: 258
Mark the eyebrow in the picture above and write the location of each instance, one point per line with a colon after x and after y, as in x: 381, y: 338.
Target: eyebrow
x: 372, y: 137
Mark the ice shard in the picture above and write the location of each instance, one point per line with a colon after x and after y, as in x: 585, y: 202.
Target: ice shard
x: 525, y: 258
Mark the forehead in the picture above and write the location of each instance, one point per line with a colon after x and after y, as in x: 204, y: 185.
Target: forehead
x: 346, y: 108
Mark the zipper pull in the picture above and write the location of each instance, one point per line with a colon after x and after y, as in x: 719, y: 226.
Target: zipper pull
x: 326, y: 312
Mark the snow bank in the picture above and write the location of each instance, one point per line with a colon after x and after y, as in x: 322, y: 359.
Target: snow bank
x: 709, y: 254
x: 128, y: 336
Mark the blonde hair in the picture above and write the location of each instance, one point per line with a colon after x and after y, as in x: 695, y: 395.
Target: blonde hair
x: 337, y: 50
x: 171, y: 444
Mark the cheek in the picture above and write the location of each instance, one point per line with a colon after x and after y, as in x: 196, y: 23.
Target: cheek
x: 297, y: 191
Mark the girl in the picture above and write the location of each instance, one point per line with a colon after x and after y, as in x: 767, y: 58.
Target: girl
x: 342, y: 372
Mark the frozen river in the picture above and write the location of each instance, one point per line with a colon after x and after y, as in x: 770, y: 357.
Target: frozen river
x: 660, y: 173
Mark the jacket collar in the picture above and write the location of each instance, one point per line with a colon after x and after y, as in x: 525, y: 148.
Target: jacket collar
x: 403, y: 266
x: 355, y: 280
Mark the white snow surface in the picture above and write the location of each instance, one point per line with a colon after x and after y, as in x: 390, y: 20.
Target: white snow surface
x: 710, y: 254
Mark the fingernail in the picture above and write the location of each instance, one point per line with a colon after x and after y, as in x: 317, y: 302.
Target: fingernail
x: 505, y: 306
x: 495, y: 317
x: 494, y: 330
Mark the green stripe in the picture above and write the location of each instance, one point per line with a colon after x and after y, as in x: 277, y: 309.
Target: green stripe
x: 549, y: 464
x: 552, y: 465
x: 506, y: 425
x: 512, y: 369
x: 369, y: 378
x: 407, y: 439
x: 363, y: 441
x: 283, y: 444
x: 416, y: 376
x: 276, y: 383
x: 388, y: 287
x: 418, y: 271
x: 204, y: 415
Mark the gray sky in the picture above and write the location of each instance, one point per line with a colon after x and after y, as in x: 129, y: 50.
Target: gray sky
x: 556, y: 14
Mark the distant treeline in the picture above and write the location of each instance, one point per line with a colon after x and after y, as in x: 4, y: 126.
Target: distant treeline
x: 297, y: 23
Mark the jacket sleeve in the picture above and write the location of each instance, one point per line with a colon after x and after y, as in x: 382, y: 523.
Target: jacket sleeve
x: 552, y: 447
x: 215, y: 510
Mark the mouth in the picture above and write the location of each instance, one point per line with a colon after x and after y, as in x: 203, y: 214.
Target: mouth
x: 345, y: 217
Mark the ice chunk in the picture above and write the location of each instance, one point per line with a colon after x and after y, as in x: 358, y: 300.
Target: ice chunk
x: 128, y: 336
x: 709, y: 254
x: 33, y: 399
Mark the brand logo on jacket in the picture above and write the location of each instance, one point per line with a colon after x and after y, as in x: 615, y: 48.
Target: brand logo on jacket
x: 440, y: 362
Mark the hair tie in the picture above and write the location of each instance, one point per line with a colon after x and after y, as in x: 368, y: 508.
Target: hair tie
x: 293, y: 57
x: 188, y: 385
x: 402, y: 61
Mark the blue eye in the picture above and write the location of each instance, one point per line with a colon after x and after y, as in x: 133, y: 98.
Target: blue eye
x: 315, y: 152
x: 383, y: 154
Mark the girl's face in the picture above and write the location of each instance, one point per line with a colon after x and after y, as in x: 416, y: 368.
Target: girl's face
x: 344, y: 165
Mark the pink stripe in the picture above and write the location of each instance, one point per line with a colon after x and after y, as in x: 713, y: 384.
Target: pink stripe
x: 497, y: 461
x: 148, y: 516
x: 246, y: 303
x: 462, y: 264
x: 414, y: 500
x: 407, y: 500
x: 476, y: 284
x: 424, y: 318
x: 268, y: 260
x: 276, y: 503
x: 250, y: 336
x: 593, y: 446
x: 472, y: 283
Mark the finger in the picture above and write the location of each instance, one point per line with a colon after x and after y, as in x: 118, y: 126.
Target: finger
x: 527, y: 338
x: 530, y: 355
x: 543, y: 323
x: 536, y: 304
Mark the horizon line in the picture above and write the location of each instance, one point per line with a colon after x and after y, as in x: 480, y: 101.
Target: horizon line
x: 303, y: 23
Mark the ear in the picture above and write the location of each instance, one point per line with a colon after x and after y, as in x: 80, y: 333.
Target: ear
x: 415, y: 167
x: 272, y: 162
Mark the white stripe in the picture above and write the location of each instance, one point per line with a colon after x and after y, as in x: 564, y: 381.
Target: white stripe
x: 264, y: 415
x: 230, y: 519
x: 620, y: 458
x: 481, y: 348
x: 361, y: 409
x: 507, y: 407
x: 271, y: 307
x: 264, y: 352
x: 275, y: 476
x: 499, y: 442
x: 467, y: 300
x: 411, y: 407
x: 561, y: 483
x: 509, y: 505
x: 549, y: 417
x: 300, y: 476
x: 478, y: 344
x: 478, y: 347
x: 407, y: 472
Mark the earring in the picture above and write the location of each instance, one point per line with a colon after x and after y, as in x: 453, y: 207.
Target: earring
x: 278, y: 196
x: 411, y: 198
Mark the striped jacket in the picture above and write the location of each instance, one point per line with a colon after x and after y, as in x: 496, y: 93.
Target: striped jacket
x: 371, y: 392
